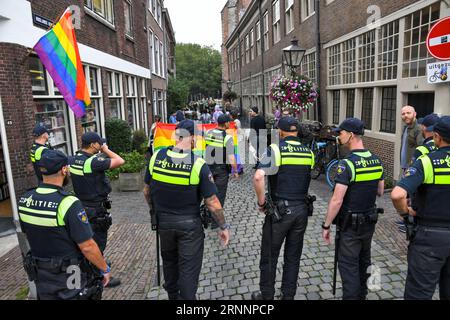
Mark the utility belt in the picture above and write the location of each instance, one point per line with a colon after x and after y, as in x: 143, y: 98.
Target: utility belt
x: 282, y: 207
x: 99, y: 218
x: 106, y: 205
x: 356, y: 219
x: 55, y: 265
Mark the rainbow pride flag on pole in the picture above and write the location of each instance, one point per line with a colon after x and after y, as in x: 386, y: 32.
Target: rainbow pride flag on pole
x: 58, y: 51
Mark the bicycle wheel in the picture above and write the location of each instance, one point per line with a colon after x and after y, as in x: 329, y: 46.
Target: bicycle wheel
x: 331, y: 172
x: 318, y: 165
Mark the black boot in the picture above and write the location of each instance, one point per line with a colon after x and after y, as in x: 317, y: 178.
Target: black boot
x: 257, y: 295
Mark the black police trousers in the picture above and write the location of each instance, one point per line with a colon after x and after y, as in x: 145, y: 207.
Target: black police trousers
x: 100, y: 221
x: 354, y: 259
x: 291, y: 230
x: 54, y: 285
x: 182, y: 245
x: 428, y: 264
x: 221, y: 176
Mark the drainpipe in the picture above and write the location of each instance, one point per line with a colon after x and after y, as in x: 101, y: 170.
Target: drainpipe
x: 318, y: 60
x: 240, y: 73
x: 261, y: 30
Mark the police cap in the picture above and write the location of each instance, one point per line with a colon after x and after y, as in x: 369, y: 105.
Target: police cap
x: 429, y: 121
x: 351, y: 125
x: 40, y: 130
x: 52, y: 161
x: 286, y: 123
x: 443, y: 127
x: 185, y: 126
x: 223, y: 118
x: 92, y: 137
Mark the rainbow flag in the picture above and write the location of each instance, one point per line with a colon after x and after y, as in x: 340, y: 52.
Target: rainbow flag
x: 58, y: 51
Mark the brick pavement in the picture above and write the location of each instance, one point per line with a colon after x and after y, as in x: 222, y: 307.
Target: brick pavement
x: 233, y: 272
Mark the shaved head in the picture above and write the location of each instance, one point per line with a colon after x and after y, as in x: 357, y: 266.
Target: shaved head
x: 409, y: 115
x: 408, y: 108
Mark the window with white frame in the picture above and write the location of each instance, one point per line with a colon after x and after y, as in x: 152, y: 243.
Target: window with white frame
x: 133, y: 117
x: 366, y: 60
x: 349, y: 61
x: 350, y: 108
x: 266, y: 30
x: 415, y: 53
x: 258, y: 38
x: 289, y: 5
x: 152, y: 7
x: 247, y: 48
x: 252, y: 45
x: 156, y: 54
x: 115, y: 94
x: 334, y: 65
x: 90, y: 122
x: 151, y: 50
x: 388, y: 110
x: 143, y: 100
x: 388, y: 51
x: 367, y: 107
x: 159, y: 13
x: 38, y: 76
x: 128, y: 14
x: 307, y: 8
x: 242, y: 53
x: 102, y: 8
x: 336, y: 106
x: 308, y: 67
x: 161, y: 60
x: 276, y: 21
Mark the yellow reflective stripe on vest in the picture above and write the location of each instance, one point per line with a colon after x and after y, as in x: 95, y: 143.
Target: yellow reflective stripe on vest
x: 43, y: 212
x: 46, y: 190
x: 195, y: 173
x: 171, y: 180
x: 176, y: 155
x: 352, y: 169
x: 87, y: 168
x: 151, y: 163
x: 428, y: 170
x: 360, y: 177
x: 277, y: 154
x: 295, y: 143
x: 37, y: 221
x: 370, y: 169
x: 38, y: 153
x: 63, y: 207
x: 181, y: 173
x: 423, y: 150
x: 297, y: 158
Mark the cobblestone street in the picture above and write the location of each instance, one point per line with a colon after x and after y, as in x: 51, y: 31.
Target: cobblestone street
x: 231, y: 273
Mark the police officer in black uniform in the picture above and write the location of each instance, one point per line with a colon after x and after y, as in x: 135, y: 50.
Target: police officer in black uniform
x: 427, y: 124
x: 60, y: 237
x: 92, y: 187
x: 40, y: 145
x: 429, y: 248
x: 359, y: 180
x: 219, y: 155
x: 175, y: 184
x: 288, y: 166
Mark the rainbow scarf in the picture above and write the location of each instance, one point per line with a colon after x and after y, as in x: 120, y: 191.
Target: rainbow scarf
x: 58, y: 51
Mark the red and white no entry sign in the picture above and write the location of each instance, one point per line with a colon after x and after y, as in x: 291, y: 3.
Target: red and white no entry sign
x: 438, y: 39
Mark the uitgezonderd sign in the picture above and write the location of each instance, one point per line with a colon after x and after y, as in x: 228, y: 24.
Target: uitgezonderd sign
x: 438, y: 72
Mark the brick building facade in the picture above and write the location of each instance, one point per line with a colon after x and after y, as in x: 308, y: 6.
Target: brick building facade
x: 368, y: 59
x: 114, y: 48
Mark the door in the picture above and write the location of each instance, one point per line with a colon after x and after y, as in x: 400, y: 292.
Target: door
x: 6, y: 211
x: 422, y: 102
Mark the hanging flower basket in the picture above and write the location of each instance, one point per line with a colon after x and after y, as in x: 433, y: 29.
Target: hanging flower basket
x: 295, y: 94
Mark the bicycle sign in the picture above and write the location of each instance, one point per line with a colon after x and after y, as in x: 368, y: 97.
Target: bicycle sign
x: 438, y: 72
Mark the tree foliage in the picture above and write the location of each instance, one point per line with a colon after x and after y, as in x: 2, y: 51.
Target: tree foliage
x: 199, y: 68
x: 178, y: 93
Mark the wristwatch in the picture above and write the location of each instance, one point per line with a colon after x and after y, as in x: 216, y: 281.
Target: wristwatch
x: 324, y: 227
x: 225, y: 226
x: 108, y: 270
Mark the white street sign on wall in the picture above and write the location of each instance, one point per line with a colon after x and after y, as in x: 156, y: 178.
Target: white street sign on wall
x: 438, y: 72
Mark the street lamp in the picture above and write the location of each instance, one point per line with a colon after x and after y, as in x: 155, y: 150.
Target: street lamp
x: 293, y: 55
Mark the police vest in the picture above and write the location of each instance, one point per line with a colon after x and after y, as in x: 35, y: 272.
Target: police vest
x: 90, y: 187
x: 216, y: 141
x: 42, y: 212
x: 175, y: 182
x: 35, y: 156
x: 426, y: 148
x: 366, y: 171
x: 433, y: 196
x: 294, y: 162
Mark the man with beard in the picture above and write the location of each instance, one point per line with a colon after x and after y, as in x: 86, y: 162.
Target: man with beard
x: 359, y: 180
x: 92, y: 187
x: 60, y: 237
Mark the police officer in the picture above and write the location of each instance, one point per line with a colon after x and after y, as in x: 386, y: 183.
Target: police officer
x: 288, y: 166
x: 429, y: 248
x: 219, y: 155
x: 427, y: 125
x: 359, y: 180
x: 40, y: 145
x: 175, y: 184
x: 92, y: 187
x: 59, y: 234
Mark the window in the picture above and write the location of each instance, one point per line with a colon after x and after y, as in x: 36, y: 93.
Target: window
x: 388, y: 51
x: 161, y: 60
x: 151, y: 50
x: 38, y: 76
x: 276, y: 21
x: 128, y: 19
x: 242, y: 53
x: 133, y: 116
x: 366, y: 60
x: 415, y: 53
x: 367, y: 106
x: 247, y: 49
x: 266, y: 30
x: 252, y: 45
x: 158, y: 14
x: 289, y: 5
x: 90, y: 121
x: 388, y: 110
x: 102, y: 8
x: 349, y: 64
x: 334, y: 65
x: 258, y: 38
x: 152, y: 6
x: 114, y: 95
x: 156, y: 55
x: 308, y: 67
x: 336, y: 106
x: 143, y: 100
x: 350, y: 110
x: 307, y: 8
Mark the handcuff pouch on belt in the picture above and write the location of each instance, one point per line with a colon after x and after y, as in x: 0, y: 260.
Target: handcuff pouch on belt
x: 355, y: 220
x: 411, y: 227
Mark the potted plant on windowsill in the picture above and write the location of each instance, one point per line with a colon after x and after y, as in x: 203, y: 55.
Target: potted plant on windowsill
x: 131, y: 173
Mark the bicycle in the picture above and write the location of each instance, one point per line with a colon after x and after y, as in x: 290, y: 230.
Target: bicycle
x: 332, y: 169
